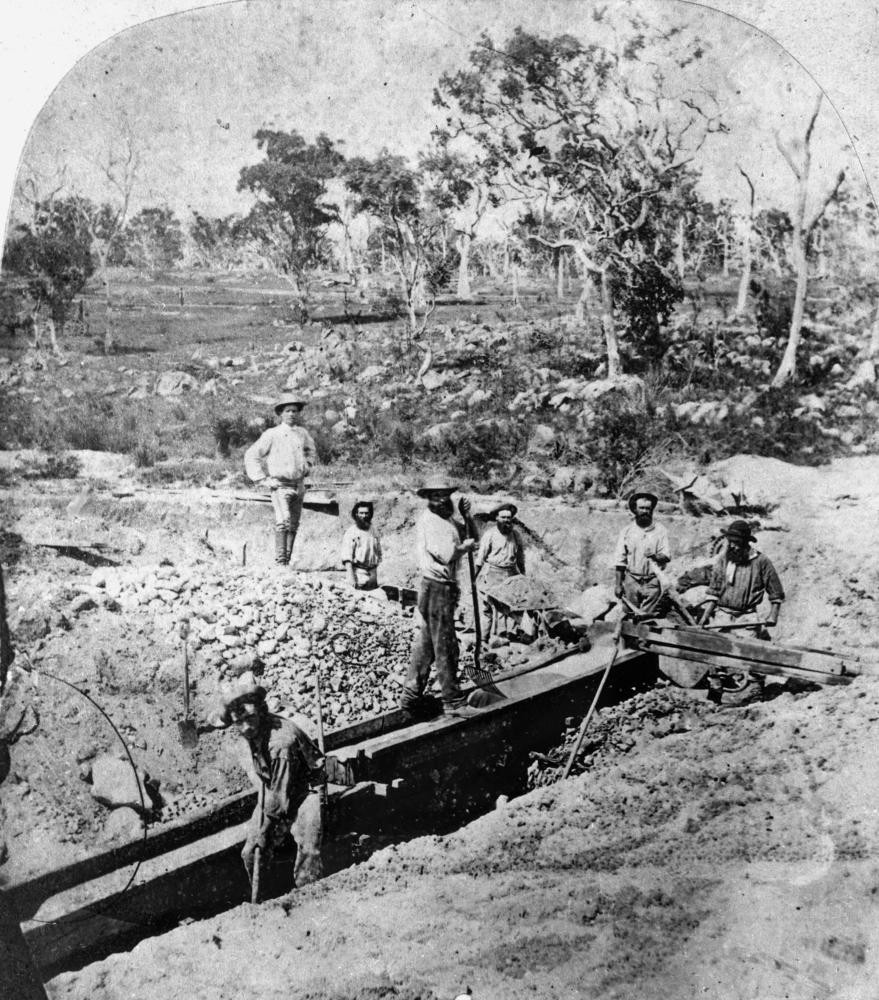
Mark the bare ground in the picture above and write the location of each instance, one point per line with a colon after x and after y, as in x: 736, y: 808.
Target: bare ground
x: 734, y: 854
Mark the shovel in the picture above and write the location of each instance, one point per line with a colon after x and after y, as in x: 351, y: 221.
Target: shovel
x: 186, y: 726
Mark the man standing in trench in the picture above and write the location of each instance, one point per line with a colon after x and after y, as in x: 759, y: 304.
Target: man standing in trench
x: 740, y: 579
x: 281, y: 459
x: 439, y: 543
x: 500, y: 556
x: 287, y: 768
x: 361, y: 548
x: 642, y: 549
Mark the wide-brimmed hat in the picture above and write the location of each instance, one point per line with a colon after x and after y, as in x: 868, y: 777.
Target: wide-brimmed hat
x: 738, y: 531
x: 642, y: 495
x: 240, y: 691
x: 508, y: 505
x: 436, y: 484
x: 363, y: 503
x: 289, y: 399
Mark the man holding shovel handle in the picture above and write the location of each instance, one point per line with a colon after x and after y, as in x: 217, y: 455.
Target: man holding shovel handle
x: 287, y: 768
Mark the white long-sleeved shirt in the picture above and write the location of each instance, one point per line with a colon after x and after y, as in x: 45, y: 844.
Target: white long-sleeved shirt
x: 500, y: 550
x: 436, y: 542
x: 635, y: 544
x: 361, y: 547
x: 283, y: 452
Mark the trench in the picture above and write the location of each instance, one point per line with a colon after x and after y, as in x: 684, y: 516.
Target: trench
x: 432, y: 796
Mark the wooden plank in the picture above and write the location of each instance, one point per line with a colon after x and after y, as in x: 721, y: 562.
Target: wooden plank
x: 736, y: 665
x: 751, y: 650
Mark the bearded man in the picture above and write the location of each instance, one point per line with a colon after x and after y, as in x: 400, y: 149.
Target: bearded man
x: 741, y: 578
x: 361, y: 548
x: 500, y: 556
x: 642, y: 549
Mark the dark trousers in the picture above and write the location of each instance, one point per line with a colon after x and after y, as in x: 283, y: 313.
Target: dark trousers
x: 436, y: 644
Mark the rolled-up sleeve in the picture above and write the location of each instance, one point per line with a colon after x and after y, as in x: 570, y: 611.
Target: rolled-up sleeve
x: 772, y: 583
x: 621, y: 552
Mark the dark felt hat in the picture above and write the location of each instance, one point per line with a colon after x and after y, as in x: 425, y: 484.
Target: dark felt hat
x: 511, y: 507
x: 643, y: 495
x: 738, y: 531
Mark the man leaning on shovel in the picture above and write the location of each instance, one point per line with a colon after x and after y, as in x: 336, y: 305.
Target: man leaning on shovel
x: 287, y: 769
x: 439, y: 543
x: 281, y: 459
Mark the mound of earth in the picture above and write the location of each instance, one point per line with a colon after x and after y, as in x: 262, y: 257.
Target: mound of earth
x: 732, y: 857
x: 725, y: 852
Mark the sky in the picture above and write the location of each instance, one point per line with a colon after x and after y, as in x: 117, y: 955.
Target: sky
x: 196, y: 86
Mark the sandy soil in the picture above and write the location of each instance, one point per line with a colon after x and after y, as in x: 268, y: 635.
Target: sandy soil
x: 730, y: 853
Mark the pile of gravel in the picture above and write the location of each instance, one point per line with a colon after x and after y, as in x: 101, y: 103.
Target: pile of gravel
x: 284, y: 627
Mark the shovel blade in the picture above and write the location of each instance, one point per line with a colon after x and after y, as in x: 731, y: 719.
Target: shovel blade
x: 188, y: 733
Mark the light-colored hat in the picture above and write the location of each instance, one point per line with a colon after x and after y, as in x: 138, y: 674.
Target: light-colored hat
x: 289, y: 400
x: 436, y: 484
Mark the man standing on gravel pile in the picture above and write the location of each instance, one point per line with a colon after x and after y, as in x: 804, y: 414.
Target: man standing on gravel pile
x: 361, y: 548
x: 281, y: 459
x: 439, y: 543
x: 642, y: 550
x: 740, y: 579
x: 500, y: 556
x: 286, y: 767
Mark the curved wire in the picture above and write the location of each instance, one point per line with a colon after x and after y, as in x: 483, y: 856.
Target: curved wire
x: 35, y: 671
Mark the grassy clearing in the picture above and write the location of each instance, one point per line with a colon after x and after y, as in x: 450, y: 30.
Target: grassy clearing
x: 515, y: 358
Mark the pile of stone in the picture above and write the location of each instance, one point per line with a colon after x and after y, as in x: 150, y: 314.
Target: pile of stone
x: 285, y: 628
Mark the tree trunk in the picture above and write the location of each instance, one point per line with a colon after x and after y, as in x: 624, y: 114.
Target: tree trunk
x: 744, y: 283
x: 680, y: 259
x: 874, y: 337
x: 788, y: 367
x: 610, y: 334
x: 463, y: 244
x: 560, y: 277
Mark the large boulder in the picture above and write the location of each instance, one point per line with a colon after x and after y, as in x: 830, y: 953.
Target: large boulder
x: 174, y: 383
x: 542, y: 441
x: 115, y: 784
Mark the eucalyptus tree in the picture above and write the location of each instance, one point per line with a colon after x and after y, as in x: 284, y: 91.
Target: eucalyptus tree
x: 598, y: 132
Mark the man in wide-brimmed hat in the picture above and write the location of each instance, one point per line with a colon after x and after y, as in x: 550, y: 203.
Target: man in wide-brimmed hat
x: 642, y: 551
x: 281, y: 459
x: 361, y: 550
x: 286, y: 767
x: 439, y: 544
x: 500, y: 556
x: 742, y: 577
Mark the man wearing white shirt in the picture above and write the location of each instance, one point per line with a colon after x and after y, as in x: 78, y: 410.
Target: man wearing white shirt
x: 361, y: 548
x: 281, y: 459
x: 642, y: 549
x: 440, y: 543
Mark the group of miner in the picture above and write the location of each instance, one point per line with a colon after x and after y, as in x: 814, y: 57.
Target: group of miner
x: 282, y: 757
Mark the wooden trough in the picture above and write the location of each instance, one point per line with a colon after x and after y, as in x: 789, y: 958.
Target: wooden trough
x: 383, y: 783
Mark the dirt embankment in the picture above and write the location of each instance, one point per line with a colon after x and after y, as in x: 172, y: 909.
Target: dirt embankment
x: 735, y: 858
x: 732, y: 853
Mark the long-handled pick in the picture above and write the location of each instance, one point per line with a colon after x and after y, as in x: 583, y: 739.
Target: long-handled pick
x: 186, y: 726
x: 585, y: 723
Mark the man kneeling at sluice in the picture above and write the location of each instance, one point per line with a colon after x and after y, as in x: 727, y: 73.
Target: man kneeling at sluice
x: 287, y: 769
